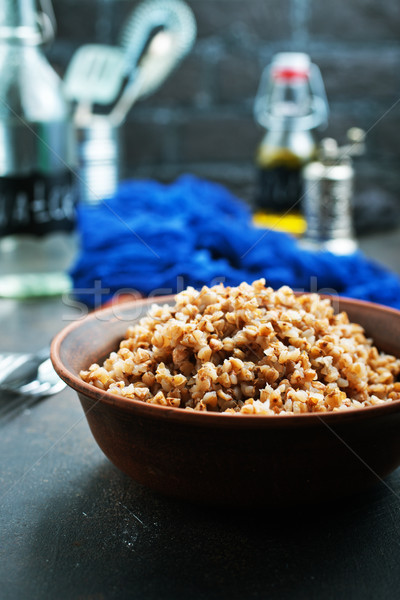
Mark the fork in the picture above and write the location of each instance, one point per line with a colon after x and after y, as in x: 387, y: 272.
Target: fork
x: 18, y: 369
x: 26, y: 378
x: 10, y: 361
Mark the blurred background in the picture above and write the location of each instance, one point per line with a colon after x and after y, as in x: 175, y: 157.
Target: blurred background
x: 201, y: 120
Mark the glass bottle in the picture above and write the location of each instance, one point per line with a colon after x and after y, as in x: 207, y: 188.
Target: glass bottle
x: 37, y: 194
x: 290, y: 104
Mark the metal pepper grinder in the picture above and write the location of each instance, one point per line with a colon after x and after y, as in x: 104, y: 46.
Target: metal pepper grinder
x: 328, y: 193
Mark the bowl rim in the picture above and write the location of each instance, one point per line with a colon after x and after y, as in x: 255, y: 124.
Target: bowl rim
x: 156, y: 411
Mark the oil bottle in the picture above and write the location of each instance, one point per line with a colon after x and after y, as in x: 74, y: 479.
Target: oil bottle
x: 290, y: 104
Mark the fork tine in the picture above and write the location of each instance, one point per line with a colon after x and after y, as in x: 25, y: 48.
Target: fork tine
x: 11, y: 362
x: 33, y: 388
x: 5, y: 360
x: 22, y: 370
x: 29, y: 388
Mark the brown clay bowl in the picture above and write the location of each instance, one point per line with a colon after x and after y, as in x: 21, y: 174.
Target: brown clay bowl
x: 234, y: 459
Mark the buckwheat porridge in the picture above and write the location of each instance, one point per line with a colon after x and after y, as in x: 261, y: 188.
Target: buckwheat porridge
x: 248, y: 350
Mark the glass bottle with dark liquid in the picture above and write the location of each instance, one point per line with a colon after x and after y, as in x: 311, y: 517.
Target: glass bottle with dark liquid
x: 36, y: 150
x: 290, y: 104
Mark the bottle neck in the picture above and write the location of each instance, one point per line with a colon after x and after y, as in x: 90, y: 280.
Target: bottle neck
x: 289, y: 124
x: 19, y: 22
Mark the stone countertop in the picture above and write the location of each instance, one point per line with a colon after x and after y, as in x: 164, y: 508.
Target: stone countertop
x: 72, y: 526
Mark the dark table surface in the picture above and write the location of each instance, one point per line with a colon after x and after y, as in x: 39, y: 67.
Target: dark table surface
x: 73, y: 526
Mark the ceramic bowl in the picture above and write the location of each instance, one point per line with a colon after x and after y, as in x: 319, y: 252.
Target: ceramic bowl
x: 234, y: 460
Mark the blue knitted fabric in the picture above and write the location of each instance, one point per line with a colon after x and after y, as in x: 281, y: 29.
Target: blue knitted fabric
x: 157, y: 238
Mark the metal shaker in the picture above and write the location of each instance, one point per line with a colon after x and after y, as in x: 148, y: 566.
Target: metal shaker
x: 98, y: 161
x: 328, y: 193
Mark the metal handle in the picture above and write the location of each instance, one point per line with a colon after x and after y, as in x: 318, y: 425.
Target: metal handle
x: 148, y: 69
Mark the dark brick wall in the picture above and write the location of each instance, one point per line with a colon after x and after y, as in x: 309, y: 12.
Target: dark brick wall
x: 201, y: 120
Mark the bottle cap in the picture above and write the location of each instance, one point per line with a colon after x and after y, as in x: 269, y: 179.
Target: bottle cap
x: 289, y: 65
x: 329, y: 150
x: 291, y: 95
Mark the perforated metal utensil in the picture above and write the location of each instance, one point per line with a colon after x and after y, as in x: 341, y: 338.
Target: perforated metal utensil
x: 157, y: 36
x: 95, y: 75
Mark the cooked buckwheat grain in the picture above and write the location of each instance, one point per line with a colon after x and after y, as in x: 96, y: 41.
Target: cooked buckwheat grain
x: 248, y: 350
